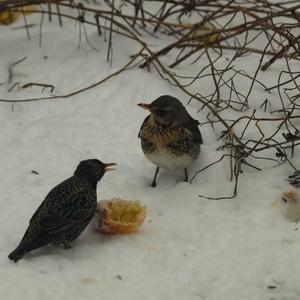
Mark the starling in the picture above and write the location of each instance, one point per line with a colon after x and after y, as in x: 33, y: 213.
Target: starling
x: 66, y: 210
x: 170, y: 137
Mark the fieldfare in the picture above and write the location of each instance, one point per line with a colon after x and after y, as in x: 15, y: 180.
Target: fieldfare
x: 170, y: 137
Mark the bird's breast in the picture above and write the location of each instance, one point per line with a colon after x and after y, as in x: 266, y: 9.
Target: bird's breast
x: 160, y: 135
x: 165, y: 159
x: 170, y: 148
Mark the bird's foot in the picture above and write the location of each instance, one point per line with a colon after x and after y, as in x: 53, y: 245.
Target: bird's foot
x: 153, y: 184
x: 186, y: 178
x: 66, y: 246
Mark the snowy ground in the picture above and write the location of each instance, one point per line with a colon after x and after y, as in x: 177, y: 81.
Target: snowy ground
x: 188, y: 248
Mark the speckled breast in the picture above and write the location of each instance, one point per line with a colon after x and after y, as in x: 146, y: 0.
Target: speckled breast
x: 170, y: 148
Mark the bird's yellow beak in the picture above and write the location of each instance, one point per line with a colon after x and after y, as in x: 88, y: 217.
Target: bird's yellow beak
x: 108, y: 167
x: 145, y: 106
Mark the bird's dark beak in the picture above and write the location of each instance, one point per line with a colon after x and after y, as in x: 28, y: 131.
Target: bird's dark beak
x: 145, y: 106
x: 108, y: 167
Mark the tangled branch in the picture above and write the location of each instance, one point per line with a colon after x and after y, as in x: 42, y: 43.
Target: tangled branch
x: 215, y: 36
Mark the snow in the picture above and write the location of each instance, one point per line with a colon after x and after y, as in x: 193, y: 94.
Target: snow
x: 189, y: 247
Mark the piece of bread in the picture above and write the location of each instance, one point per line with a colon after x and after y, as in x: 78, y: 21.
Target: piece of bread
x: 117, y: 216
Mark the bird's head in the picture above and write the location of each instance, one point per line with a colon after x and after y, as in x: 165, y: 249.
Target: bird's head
x: 92, y: 170
x: 167, y: 111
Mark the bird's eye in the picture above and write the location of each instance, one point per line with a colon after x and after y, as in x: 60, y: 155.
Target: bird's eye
x: 160, y: 113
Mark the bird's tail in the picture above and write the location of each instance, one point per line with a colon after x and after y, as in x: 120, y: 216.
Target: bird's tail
x: 17, y: 253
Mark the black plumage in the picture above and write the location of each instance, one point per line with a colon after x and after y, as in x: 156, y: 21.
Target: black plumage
x: 170, y: 137
x: 66, y: 210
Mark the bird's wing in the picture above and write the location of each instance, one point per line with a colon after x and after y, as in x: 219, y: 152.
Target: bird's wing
x: 145, y: 121
x: 67, y: 204
x: 192, y: 126
x: 58, y: 192
x: 65, y: 214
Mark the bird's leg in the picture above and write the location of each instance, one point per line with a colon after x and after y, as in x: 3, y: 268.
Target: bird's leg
x: 66, y: 245
x: 153, y: 184
x: 186, y: 175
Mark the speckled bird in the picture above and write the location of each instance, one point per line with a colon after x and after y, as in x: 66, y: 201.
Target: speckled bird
x: 170, y: 137
x: 66, y: 210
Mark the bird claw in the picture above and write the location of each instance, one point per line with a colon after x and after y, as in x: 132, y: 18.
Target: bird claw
x: 186, y: 178
x: 66, y: 246
x: 153, y: 184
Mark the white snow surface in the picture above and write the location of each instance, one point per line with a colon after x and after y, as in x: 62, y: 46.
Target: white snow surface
x: 189, y: 247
